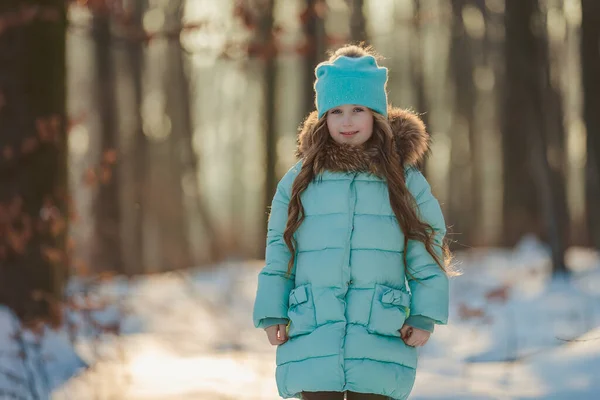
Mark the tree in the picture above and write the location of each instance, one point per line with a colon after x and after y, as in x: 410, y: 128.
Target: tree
x: 34, y: 212
x: 107, y: 253
x: 135, y: 59
x: 590, y: 65
x: 358, y: 23
x: 521, y: 213
x: 418, y: 65
x: 266, y: 42
x: 313, y: 26
x: 465, y: 208
x: 531, y: 197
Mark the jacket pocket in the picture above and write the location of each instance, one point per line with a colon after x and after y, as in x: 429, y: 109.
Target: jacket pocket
x: 301, y: 311
x: 389, y: 309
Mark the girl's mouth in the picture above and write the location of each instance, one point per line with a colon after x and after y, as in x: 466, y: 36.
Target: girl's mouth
x: 348, y: 133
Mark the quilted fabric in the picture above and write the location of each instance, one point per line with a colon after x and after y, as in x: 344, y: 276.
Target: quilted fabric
x: 347, y: 297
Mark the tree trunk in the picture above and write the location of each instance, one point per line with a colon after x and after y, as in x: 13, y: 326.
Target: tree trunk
x: 265, y: 38
x: 528, y: 78
x: 190, y: 160
x: 135, y: 54
x: 33, y: 159
x: 314, y: 34
x: 358, y: 23
x: 107, y: 253
x: 590, y: 65
x: 553, y: 132
x: 418, y: 65
x: 520, y: 199
x: 463, y: 214
x: 179, y: 106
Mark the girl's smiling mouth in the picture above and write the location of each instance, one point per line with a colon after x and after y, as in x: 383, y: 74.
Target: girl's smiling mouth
x: 348, y: 133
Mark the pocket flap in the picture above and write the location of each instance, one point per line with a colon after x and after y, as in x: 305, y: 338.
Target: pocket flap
x: 396, y: 297
x: 298, y: 296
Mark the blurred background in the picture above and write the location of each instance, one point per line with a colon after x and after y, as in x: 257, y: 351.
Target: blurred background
x: 141, y: 142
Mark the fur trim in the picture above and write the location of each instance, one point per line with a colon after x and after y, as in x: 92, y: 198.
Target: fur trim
x: 411, y: 141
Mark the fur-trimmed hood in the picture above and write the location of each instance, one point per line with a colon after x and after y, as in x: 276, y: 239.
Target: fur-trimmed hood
x: 410, y: 137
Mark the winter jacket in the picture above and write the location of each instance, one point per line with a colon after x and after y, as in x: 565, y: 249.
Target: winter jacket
x: 347, y: 297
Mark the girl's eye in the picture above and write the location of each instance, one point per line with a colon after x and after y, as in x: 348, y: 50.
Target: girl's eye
x: 336, y: 111
x: 358, y: 109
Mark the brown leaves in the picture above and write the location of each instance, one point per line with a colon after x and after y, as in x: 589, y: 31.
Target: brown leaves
x: 500, y: 294
x: 29, y: 145
x: 105, y: 174
x: 8, y: 153
x: 53, y: 255
x: 18, y: 227
x: 102, y: 174
x: 81, y: 268
x: 243, y: 11
x: 465, y: 312
x: 89, y: 177
x: 15, y: 227
x: 26, y: 14
x: 110, y: 156
x: 48, y: 129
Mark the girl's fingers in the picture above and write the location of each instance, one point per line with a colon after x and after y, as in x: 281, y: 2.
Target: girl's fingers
x: 272, y: 335
x: 282, y: 333
x: 405, y: 332
x: 272, y: 340
x: 417, y: 339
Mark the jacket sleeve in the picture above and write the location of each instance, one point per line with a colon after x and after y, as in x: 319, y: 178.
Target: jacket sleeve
x: 429, y: 283
x: 274, y: 286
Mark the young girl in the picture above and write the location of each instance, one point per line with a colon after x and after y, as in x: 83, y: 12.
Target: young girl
x: 351, y: 224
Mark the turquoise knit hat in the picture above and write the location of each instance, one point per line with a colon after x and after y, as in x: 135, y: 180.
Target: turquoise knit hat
x: 351, y: 80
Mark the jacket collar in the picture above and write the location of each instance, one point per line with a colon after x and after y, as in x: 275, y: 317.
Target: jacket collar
x: 411, y: 141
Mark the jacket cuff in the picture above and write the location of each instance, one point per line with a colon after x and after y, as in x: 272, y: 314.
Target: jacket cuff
x: 420, y: 322
x: 267, y: 322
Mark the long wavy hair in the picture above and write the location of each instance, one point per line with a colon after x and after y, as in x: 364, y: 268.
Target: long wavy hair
x: 401, y: 200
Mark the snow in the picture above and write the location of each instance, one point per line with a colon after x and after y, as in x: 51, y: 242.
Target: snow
x: 514, y: 333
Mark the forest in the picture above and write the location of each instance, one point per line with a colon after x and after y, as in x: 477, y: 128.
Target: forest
x: 147, y: 137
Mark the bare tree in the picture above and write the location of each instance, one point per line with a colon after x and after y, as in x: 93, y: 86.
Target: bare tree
x: 464, y: 208
x: 135, y: 58
x: 358, y: 22
x: 179, y: 108
x: 525, y: 130
x: 521, y: 213
x: 107, y: 252
x: 189, y: 157
x: 265, y: 39
x: 314, y: 34
x: 590, y: 64
x: 418, y: 66
x: 33, y: 160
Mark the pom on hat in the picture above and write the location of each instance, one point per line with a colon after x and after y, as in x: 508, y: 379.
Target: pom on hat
x: 351, y: 80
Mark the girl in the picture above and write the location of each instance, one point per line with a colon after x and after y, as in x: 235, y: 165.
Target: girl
x: 351, y: 223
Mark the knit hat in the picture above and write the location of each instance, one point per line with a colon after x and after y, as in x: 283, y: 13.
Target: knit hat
x: 351, y: 80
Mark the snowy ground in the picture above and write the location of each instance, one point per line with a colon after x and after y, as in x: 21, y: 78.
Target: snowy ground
x: 514, y: 334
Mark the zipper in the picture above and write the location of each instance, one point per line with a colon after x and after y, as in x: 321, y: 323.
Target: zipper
x: 345, y: 267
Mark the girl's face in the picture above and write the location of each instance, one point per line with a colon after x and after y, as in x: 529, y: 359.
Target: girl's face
x: 350, y: 124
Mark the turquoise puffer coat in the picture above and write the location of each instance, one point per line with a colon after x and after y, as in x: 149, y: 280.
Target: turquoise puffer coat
x: 347, y: 297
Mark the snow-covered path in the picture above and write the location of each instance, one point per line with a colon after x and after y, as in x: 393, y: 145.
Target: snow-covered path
x: 514, y: 334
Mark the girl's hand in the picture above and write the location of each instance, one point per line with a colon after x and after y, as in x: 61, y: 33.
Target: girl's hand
x: 276, y: 334
x: 414, y: 337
